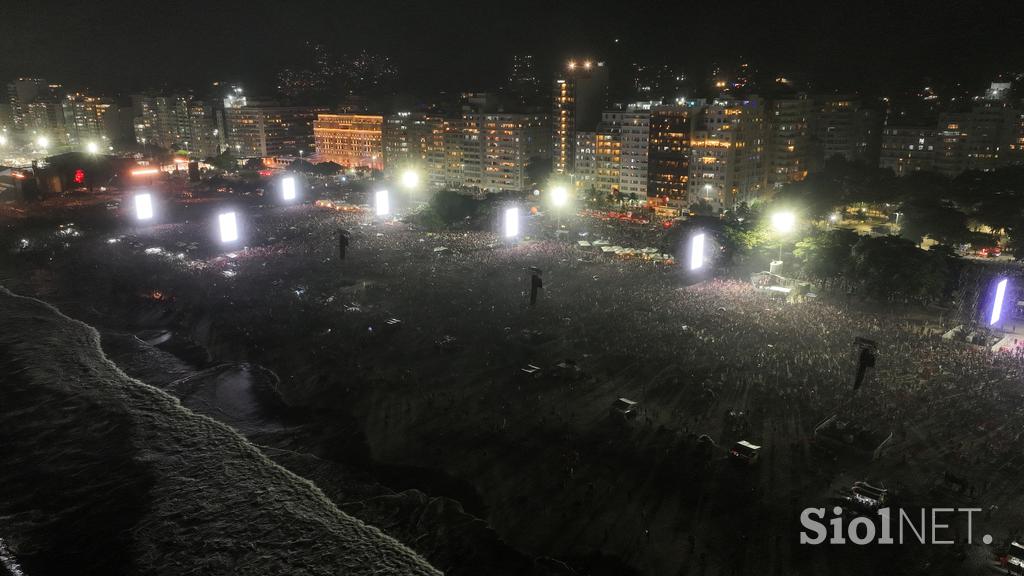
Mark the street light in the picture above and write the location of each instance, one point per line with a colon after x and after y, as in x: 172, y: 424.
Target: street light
x: 559, y: 196
x: 410, y: 179
x: 43, y: 142
x: 3, y: 140
x: 92, y: 148
x: 783, y: 222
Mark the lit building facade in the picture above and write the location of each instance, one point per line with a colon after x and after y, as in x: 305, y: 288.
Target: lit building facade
x: 668, y: 153
x: 412, y: 140
x: 789, y: 140
x: 88, y: 119
x: 585, y: 175
x: 511, y: 143
x: 907, y: 149
x: 843, y: 128
x: 269, y: 131
x: 727, y: 153
x: 352, y: 140
x: 579, y: 96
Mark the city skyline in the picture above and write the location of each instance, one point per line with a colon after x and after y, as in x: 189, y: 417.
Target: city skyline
x: 459, y: 46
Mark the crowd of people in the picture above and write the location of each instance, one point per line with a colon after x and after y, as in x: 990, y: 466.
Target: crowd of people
x: 687, y: 351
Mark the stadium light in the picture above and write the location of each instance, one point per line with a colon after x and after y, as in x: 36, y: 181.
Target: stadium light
x: 228, y: 227
x: 410, y: 179
x: 997, y: 303
x: 783, y: 222
x: 511, y: 222
x: 697, y: 251
x: 288, y: 188
x: 383, y: 203
x: 144, y: 206
x: 92, y: 148
x: 559, y: 196
x: 43, y: 142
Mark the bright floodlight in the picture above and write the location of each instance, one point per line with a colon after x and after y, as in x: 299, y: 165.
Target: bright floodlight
x: 383, y: 203
x: 288, y: 188
x: 997, y: 303
x: 228, y: 227
x: 559, y: 196
x: 144, y: 206
x: 92, y: 148
x: 697, y: 252
x: 3, y: 140
x: 783, y: 222
x: 43, y: 142
x: 511, y: 222
x: 410, y: 179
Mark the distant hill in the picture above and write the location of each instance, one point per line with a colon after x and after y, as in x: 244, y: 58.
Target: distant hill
x: 102, y: 474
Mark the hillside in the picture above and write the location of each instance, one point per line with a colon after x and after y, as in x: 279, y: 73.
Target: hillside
x: 103, y: 474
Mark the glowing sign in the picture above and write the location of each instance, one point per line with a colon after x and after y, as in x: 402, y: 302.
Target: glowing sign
x: 144, y: 206
x: 511, y: 222
x: 997, y: 303
x: 383, y: 203
x: 145, y: 171
x: 79, y: 176
x: 697, y: 252
x: 288, y: 188
x: 228, y: 227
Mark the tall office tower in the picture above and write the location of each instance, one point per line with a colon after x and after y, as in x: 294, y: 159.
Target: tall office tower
x: 579, y: 98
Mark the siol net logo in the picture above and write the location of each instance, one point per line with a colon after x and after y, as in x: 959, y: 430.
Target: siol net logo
x: 930, y: 526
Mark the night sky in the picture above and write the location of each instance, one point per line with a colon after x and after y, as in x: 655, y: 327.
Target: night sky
x: 872, y: 46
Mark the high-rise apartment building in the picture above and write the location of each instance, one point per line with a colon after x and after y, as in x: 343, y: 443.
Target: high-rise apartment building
x: 510, y: 144
x: 633, y: 128
x: 842, y: 127
x: 908, y: 149
x: 668, y: 155
x: 727, y: 153
x: 89, y: 119
x: 585, y: 175
x: 180, y: 122
x: 269, y: 130
x: 788, y: 139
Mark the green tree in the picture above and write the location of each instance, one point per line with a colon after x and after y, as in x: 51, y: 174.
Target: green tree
x: 827, y: 256
x: 225, y: 161
x: 890, y: 268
